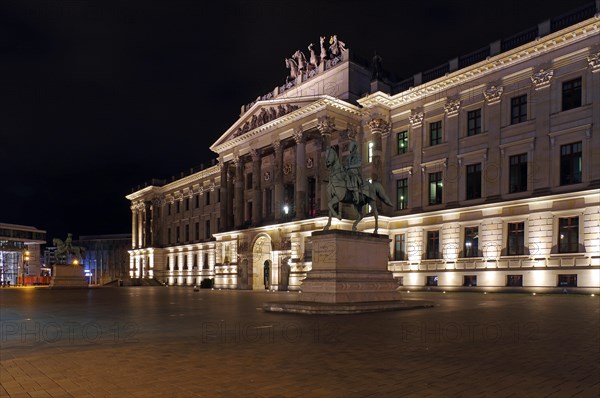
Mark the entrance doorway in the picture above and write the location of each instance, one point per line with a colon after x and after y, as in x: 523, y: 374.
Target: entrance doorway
x: 261, y: 263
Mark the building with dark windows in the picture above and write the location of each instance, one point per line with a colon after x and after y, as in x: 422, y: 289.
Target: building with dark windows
x: 106, y: 257
x: 492, y: 161
x: 20, y: 255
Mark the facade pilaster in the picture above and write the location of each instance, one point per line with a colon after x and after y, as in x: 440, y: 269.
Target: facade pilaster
x: 238, y: 218
x: 223, y: 202
x: 256, y: 190
x: 133, y: 226
x: 278, y: 179
x: 326, y: 126
x: 300, y: 200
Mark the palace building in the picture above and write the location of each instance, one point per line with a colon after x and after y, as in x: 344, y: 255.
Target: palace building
x: 492, y: 162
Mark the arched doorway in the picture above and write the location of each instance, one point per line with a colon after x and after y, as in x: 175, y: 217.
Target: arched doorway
x: 261, y: 262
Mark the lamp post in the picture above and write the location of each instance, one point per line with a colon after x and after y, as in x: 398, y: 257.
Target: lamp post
x: 26, y: 257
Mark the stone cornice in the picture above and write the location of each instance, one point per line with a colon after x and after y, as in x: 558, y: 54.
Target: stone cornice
x: 501, y: 61
x: 184, y: 182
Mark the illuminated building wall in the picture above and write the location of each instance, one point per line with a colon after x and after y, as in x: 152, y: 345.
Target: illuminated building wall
x: 492, y: 162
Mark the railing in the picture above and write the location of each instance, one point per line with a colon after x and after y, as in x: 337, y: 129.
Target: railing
x: 157, y: 182
x: 575, y: 16
x: 435, y: 73
x: 519, y: 39
x: 474, y: 57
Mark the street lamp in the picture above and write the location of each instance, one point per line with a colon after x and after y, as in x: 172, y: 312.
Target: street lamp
x: 25, y: 264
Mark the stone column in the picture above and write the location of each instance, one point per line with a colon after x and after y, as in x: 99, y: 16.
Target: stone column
x: 229, y: 199
x: 326, y: 126
x: 256, y: 191
x: 140, y: 224
x: 133, y: 226
x: 378, y: 128
x: 155, y: 222
x: 238, y: 217
x: 278, y: 179
x: 148, y: 213
x: 223, y: 202
x: 300, y: 200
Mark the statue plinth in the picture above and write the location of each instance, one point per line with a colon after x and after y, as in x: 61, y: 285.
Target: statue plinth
x: 68, y: 276
x: 349, y: 275
x: 349, y: 267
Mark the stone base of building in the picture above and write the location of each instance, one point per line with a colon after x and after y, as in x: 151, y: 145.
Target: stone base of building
x: 68, y: 277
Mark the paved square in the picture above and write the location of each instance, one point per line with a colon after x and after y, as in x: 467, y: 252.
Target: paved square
x: 157, y: 341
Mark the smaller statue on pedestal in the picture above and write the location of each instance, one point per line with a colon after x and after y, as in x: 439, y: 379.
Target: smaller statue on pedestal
x: 66, y: 252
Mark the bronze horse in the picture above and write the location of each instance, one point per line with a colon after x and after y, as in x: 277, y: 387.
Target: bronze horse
x: 338, y: 192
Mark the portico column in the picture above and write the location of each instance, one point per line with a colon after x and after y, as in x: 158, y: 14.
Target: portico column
x: 300, y: 205
x: 133, y: 226
x: 140, y: 223
x: 278, y: 202
x: 223, y: 202
x: 229, y: 199
x: 147, y: 224
x: 378, y: 127
x: 256, y: 191
x: 326, y: 126
x: 238, y: 217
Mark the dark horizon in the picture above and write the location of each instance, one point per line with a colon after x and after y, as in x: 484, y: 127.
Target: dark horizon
x: 99, y: 98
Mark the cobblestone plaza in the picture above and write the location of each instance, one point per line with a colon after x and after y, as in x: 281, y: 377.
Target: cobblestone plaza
x: 173, y: 341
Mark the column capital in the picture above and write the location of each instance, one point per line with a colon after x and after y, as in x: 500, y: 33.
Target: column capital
x: 452, y: 106
x: 416, y: 118
x: 299, y: 135
x: 326, y: 124
x: 236, y: 161
x: 378, y: 126
x: 493, y: 93
x: 277, y: 145
x: 541, y: 79
x: 255, y: 154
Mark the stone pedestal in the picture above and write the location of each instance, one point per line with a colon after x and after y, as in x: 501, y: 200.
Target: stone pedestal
x: 68, y: 276
x: 349, y: 267
x: 349, y: 276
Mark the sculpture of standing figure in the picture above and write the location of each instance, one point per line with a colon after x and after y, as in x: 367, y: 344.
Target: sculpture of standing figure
x: 377, y: 68
x: 313, y: 62
x: 323, y: 49
x: 353, y: 167
x: 337, y: 46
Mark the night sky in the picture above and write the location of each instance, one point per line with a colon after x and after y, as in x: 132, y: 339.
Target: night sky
x: 98, y: 97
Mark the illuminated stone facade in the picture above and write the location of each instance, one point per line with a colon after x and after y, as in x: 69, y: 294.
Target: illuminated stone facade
x: 492, y: 162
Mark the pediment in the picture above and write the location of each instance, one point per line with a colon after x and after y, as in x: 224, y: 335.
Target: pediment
x: 265, y: 116
x: 260, y: 114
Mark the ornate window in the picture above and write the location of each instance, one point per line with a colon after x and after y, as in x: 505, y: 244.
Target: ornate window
x: 433, y: 244
x: 518, y: 109
x: 399, y: 247
x: 515, y: 244
x: 435, y: 188
x: 570, y: 163
x: 473, y: 122
x: 435, y: 133
x: 568, y: 235
x: 402, y: 194
x: 518, y: 173
x: 402, y: 139
x: 474, y: 181
x: 571, y: 94
x: 471, y: 243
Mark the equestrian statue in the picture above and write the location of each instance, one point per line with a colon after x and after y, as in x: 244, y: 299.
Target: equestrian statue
x: 346, y: 185
x: 67, y: 251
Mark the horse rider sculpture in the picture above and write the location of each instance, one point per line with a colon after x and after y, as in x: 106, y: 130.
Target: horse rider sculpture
x: 353, y: 168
